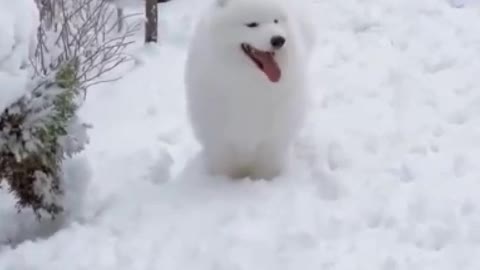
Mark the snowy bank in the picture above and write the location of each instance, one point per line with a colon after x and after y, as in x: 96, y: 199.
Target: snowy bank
x: 18, y: 25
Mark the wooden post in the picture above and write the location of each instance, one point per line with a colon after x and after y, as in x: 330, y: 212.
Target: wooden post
x: 151, y: 27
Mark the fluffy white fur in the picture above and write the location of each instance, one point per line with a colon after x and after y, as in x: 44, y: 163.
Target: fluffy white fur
x: 246, y: 123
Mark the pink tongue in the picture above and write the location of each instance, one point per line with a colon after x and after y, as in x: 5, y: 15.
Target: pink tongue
x: 270, y: 66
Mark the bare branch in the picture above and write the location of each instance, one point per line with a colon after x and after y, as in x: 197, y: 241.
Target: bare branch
x: 88, y: 33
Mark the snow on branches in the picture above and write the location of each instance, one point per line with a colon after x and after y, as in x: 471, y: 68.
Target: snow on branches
x: 77, y: 47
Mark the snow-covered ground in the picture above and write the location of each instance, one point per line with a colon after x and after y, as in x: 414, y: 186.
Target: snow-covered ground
x: 18, y: 20
x: 385, y: 174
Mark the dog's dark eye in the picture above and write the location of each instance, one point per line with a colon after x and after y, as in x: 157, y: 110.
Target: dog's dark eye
x: 252, y: 24
x: 275, y: 21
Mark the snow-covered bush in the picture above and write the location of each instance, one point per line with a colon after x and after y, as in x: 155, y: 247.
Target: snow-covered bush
x: 40, y: 128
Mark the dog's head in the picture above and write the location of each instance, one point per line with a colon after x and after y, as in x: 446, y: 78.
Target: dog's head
x: 257, y: 29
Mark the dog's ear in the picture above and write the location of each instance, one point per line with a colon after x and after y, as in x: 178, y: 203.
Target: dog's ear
x: 221, y: 3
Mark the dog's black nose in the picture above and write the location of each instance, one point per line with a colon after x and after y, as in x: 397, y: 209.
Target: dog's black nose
x: 277, y: 42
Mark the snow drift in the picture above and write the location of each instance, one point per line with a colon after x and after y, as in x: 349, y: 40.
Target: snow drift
x: 18, y: 27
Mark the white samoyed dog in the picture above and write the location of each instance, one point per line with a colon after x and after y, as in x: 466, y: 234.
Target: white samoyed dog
x: 245, y: 80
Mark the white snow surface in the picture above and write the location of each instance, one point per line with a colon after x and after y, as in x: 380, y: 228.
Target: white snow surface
x: 18, y: 23
x: 464, y: 3
x: 384, y: 176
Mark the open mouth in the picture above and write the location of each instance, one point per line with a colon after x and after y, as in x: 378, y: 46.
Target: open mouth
x: 264, y: 60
